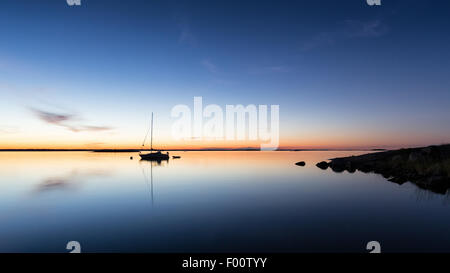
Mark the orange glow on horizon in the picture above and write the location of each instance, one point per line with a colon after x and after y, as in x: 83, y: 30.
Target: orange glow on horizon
x: 209, y: 145
x: 338, y: 140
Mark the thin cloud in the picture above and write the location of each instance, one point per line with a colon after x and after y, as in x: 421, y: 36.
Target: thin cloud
x: 66, y: 120
x: 186, y: 35
x: 94, y: 128
x: 371, y: 29
x: 321, y: 39
x: 348, y: 30
x: 52, y: 118
x: 270, y: 69
x: 211, y: 67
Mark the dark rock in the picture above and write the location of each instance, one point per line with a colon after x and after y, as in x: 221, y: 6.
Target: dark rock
x: 337, y: 169
x: 435, y: 170
x: 342, y: 165
x: 322, y: 165
x: 301, y: 163
x: 398, y: 180
x: 365, y: 168
x: 414, y: 157
x: 428, y: 167
x: 426, y: 150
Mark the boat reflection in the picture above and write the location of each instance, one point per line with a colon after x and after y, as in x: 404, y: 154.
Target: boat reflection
x: 155, y: 161
x: 144, y: 166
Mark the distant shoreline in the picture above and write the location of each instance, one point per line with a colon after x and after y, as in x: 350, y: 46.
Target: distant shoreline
x: 176, y: 150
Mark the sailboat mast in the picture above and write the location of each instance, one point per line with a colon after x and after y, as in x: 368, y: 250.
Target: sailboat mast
x: 151, y: 141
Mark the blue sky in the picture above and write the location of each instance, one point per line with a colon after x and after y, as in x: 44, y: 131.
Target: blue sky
x: 345, y: 74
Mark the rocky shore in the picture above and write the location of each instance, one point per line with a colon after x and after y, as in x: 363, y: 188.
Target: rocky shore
x: 427, y: 167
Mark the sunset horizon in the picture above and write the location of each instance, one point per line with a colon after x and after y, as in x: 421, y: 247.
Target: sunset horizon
x: 224, y: 136
x: 94, y: 83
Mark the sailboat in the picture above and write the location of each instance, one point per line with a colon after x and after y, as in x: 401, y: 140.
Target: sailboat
x: 154, y: 155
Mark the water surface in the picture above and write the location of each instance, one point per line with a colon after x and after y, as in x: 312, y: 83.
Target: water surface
x: 210, y: 202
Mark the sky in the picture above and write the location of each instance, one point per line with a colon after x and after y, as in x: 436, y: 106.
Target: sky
x: 344, y: 74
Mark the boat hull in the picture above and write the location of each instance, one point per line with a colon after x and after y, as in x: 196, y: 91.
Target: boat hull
x: 154, y: 156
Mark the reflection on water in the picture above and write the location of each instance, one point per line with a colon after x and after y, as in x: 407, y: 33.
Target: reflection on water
x: 428, y: 195
x: 210, y: 201
x: 68, y: 181
x: 145, y: 165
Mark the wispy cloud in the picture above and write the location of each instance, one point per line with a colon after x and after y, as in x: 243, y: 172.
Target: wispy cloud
x: 370, y: 29
x: 66, y: 120
x: 270, y: 69
x: 347, y: 30
x: 186, y: 35
x: 52, y: 118
x: 210, y: 66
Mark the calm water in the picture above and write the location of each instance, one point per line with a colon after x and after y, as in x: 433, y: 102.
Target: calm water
x: 210, y: 201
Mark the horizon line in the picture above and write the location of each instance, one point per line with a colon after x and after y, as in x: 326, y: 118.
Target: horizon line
x: 248, y: 148
x: 189, y: 149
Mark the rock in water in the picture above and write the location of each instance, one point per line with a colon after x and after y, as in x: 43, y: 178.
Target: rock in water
x: 301, y: 163
x: 322, y: 165
x: 428, y: 167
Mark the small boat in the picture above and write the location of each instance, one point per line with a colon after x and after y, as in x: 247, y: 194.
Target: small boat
x: 176, y: 156
x: 154, y: 155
